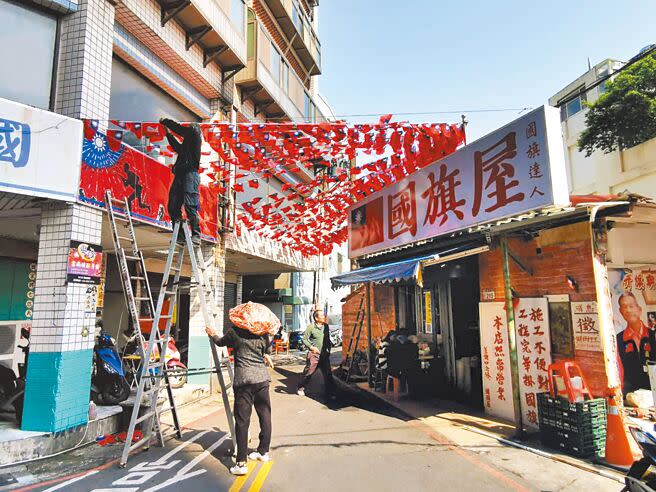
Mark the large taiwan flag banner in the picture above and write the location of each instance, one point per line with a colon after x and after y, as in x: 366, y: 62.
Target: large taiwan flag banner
x: 109, y: 164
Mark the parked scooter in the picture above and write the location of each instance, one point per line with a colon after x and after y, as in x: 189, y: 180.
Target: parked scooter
x: 108, y: 377
x: 641, y: 476
x: 12, y: 388
x: 295, y: 340
x: 177, y: 370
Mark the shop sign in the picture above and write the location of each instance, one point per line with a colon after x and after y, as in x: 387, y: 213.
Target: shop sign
x: 39, y: 152
x: 515, y: 169
x: 585, y: 322
x: 488, y: 295
x: 428, y: 312
x: 495, y: 353
x: 84, y: 264
x: 101, y: 285
x: 533, y: 354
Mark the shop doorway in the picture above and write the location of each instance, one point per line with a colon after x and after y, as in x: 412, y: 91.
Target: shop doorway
x: 450, y: 299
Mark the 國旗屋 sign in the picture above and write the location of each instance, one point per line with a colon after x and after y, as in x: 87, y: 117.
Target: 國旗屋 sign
x: 495, y: 350
x: 533, y: 354
x: 515, y: 169
x: 39, y: 152
x: 84, y: 264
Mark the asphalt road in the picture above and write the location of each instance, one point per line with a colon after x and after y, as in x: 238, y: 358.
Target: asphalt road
x: 354, y: 444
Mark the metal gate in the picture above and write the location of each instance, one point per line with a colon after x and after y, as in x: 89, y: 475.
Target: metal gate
x: 229, y: 301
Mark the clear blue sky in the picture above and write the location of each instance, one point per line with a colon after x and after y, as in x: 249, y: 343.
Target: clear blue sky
x: 390, y: 56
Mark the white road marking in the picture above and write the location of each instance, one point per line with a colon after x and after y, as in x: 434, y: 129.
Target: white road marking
x: 180, y: 475
x: 122, y: 489
x: 179, y: 448
x: 72, y: 480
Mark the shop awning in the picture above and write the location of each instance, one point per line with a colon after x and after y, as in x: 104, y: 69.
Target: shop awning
x: 404, y: 269
x: 387, y: 272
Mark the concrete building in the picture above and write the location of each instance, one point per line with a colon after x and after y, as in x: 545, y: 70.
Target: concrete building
x: 132, y: 60
x: 633, y: 169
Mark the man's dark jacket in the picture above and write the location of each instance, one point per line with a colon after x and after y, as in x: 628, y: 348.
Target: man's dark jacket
x: 189, y: 150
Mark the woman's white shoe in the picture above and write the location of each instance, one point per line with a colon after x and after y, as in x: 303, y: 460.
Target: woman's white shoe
x: 239, y: 469
x: 255, y: 456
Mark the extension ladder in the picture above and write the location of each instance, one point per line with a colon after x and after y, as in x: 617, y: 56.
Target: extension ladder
x: 138, y: 294
x: 154, y: 371
x: 355, y: 338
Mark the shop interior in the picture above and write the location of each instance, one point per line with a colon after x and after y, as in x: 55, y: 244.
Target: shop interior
x: 440, y: 322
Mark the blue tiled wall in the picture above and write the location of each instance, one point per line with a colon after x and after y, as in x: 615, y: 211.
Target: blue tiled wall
x: 57, y: 390
x: 199, y: 356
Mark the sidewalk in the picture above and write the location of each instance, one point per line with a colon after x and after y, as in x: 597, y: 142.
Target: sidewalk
x: 468, y: 428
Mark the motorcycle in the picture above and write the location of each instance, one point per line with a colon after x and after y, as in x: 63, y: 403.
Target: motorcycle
x: 174, y: 365
x: 641, y: 477
x: 12, y: 388
x: 108, y: 376
x: 295, y: 340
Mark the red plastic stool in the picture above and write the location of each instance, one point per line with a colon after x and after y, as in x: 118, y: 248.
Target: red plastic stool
x: 567, y: 369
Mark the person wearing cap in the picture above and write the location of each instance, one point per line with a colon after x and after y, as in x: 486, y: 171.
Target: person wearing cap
x: 317, y: 340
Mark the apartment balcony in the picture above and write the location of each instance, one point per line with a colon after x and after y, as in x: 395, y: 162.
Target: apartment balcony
x: 272, y: 86
x: 298, y: 29
x: 217, y: 26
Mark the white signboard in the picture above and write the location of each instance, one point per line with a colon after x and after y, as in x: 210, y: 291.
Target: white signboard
x: 515, y: 169
x: 585, y: 322
x: 495, y: 353
x: 40, y: 152
x: 533, y: 354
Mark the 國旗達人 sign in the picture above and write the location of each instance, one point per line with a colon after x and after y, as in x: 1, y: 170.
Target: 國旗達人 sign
x: 515, y: 169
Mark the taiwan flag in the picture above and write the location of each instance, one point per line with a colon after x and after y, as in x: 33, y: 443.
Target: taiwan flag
x: 367, y: 225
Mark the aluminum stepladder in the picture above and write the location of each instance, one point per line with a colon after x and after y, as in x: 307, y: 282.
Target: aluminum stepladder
x: 136, y: 289
x: 168, y: 291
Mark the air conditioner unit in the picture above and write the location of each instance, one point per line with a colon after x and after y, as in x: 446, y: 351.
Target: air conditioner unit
x: 10, y: 342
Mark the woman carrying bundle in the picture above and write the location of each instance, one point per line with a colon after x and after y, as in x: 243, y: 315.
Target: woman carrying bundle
x: 251, y: 386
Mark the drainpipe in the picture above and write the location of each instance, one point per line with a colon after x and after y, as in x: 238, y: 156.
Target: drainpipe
x: 512, y: 340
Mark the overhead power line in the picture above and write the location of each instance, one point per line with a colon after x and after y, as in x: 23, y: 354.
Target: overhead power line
x: 421, y: 113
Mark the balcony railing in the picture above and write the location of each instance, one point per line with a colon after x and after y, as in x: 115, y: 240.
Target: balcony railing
x: 299, y: 31
x: 271, y: 83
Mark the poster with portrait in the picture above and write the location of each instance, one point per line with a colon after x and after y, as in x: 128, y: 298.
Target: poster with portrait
x: 633, y: 297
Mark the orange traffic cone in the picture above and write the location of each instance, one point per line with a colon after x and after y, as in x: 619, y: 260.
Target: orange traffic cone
x: 618, y: 448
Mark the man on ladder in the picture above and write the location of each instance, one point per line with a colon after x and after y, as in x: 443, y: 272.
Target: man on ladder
x: 184, y: 189
x: 185, y: 239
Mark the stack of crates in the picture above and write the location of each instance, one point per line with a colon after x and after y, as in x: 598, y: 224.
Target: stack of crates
x: 578, y: 429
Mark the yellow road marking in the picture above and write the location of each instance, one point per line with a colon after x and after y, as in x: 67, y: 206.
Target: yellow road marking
x: 239, y: 483
x: 261, y: 477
